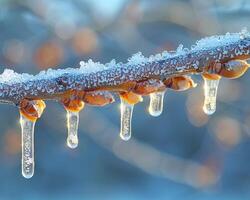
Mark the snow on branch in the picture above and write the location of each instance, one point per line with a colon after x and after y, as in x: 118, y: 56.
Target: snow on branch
x: 51, y: 84
x: 213, y: 57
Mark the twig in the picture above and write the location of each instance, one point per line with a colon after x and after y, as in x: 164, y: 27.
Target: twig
x: 52, y: 84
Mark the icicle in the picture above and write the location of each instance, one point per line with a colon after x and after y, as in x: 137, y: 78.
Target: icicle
x: 126, y: 116
x: 28, y: 163
x: 72, y: 124
x: 210, y: 92
x: 156, y: 103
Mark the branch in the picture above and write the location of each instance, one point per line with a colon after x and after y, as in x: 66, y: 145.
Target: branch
x: 90, y: 76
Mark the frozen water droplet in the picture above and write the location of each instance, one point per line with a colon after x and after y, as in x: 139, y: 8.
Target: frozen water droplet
x: 156, y: 103
x: 72, y: 124
x: 210, y: 92
x: 28, y: 163
x: 126, y: 116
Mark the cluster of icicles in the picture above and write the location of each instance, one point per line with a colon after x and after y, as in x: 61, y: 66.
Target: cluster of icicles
x: 130, y: 94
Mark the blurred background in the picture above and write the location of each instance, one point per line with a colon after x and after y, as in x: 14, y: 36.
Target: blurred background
x: 181, y: 154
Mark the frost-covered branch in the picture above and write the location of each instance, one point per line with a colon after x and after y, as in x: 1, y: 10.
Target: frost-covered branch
x: 213, y: 57
x: 90, y: 76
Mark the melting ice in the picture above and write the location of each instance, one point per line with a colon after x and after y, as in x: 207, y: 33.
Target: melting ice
x: 210, y: 92
x: 72, y: 124
x: 28, y: 163
x: 156, y: 103
x: 126, y: 117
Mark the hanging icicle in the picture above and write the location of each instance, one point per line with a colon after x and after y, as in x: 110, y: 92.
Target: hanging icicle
x: 210, y: 93
x: 156, y: 90
x: 126, y: 118
x: 28, y: 163
x: 73, y: 105
x: 156, y: 103
x: 128, y: 100
x: 29, y: 112
x: 72, y: 125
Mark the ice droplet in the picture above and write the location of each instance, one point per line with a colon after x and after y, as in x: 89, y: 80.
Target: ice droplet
x: 126, y: 117
x: 210, y: 92
x: 156, y: 103
x: 28, y: 163
x: 72, y: 124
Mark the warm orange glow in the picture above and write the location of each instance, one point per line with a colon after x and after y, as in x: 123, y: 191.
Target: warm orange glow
x: 194, y: 104
x: 98, y: 98
x: 211, y: 76
x: 32, y: 109
x: 85, y: 41
x: 234, y: 69
x: 180, y: 83
x: 131, y: 97
x: 12, y: 142
x: 227, y: 131
x: 74, y: 105
x: 48, y: 55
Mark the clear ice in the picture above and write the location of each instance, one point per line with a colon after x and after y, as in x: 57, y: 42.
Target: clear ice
x: 72, y: 124
x: 126, y: 117
x: 210, y: 92
x: 156, y: 103
x: 28, y: 163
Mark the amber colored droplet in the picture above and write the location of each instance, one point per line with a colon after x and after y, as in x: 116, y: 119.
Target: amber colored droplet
x: 32, y: 109
x: 72, y: 100
x: 98, y: 98
x: 74, y: 105
x: 149, y: 86
x: 180, y: 83
x: 131, y: 98
x: 234, y: 69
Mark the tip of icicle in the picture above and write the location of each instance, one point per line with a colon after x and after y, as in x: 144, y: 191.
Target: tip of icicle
x: 154, y: 113
x: 27, y: 176
x: 207, y: 111
x: 72, y: 143
x: 125, y: 137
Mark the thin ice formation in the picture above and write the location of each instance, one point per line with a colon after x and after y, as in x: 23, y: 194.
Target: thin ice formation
x: 126, y: 118
x: 72, y: 124
x: 28, y: 163
x: 156, y: 103
x: 210, y: 92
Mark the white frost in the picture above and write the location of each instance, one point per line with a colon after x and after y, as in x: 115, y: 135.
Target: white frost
x: 10, y: 77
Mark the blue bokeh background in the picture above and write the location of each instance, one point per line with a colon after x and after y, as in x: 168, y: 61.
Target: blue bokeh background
x: 181, y: 154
